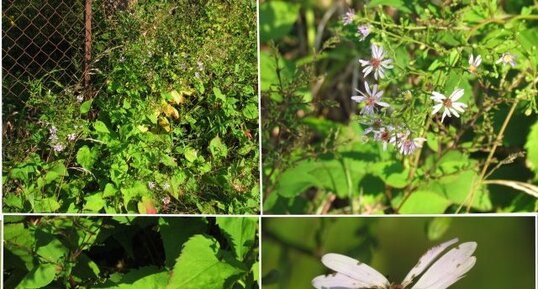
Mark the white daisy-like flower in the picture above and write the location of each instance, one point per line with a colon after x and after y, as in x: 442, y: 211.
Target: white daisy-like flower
x: 58, y: 147
x: 151, y: 185
x: 166, y: 200
x: 80, y: 98
x: 408, y: 145
x: 371, y: 98
x: 348, y: 17
x: 364, y: 31
x: 451, y: 104
x: 166, y: 186
x: 474, y: 63
x: 507, y: 58
x: 376, y: 63
x: 71, y: 136
x: 384, y: 135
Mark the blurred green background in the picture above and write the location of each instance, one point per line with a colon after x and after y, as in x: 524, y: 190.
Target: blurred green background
x: 292, y: 247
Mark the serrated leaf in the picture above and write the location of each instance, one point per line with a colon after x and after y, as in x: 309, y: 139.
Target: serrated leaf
x: 250, y: 111
x: 217, y: 148
x: 94, y: 203
x: 198, y: 266
x: 85, y: 158
x: 100, y: 127
x: 175, y: 232
x: 190, y: 154
x: 241, y: 232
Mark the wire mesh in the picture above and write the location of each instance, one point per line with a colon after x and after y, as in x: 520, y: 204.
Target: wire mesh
x: 41, y: 39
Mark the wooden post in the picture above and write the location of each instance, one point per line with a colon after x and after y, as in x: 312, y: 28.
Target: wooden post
x: 88, y: 49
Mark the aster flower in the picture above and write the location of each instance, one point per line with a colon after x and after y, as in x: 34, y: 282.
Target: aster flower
x: 58, y: 147
x: 408, y: 145
x: 166, y: 200
x: 80, y: 98
x: 384, y: 135
x: 371, y: 98
x: 451, y: 104
x: 166, y: 186
x: 72, y: 137
x: 53, y: 130
x: 474, y: 63
x: 151, y: 185
x: 376, y: 63
x: 363, y: 30
x: 348, y: 17
x: 507, y: 58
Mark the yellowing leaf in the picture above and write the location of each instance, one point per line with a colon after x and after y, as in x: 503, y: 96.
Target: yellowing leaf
x: 165, y: 124
x: 142, y: 128
x: 170, y: 111
x: 177, y: 98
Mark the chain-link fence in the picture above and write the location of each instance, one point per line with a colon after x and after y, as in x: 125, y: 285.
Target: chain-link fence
x: 41, y: 39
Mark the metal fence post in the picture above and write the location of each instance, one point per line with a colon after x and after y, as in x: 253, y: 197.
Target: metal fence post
x: 88, y: 49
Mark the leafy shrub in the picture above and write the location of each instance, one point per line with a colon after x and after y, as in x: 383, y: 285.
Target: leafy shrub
x: 332, y: 144
x: 123, y: 252
x: 170, y: 126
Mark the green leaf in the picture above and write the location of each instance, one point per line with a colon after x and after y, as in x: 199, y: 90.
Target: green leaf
x: 199, y: 266
x: 532, y: 149
x: 437, y: 227
x: 250, y: 111
x: 57, y: 171
x: 457, y: 187
x: 49, y: 247
x: 241, y: 232
x: 398, y: 4
x: 175, y: 232
x: 19, y: 242
x: 94, y: 203
x: 85, y: 106
x: 277, y: 19
x: 100, y: 127
x: 218, y: 94
x: 295, y: 181
x: 217, y: 148
x: 39, y: 277
x: 85, y: 157
x: 191, y: 154
x: 424, y: 202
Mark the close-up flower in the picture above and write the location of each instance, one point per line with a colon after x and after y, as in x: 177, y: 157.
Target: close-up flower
x: 364, y: 31
x: 474, y: 63
x: 450, y: 104
x: 384, y: 135
x: 377, y: 63
x: 151, y: 185
x: 373, y: 127
x: 371, y: 98
x: 348, y: 17
x: 507, y: 58
x: 58, y: 147
x: 71, y: 136
x: 408, y: 145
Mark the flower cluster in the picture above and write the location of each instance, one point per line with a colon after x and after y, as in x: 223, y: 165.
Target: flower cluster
x: 363, y: 29
x: 398, y: 136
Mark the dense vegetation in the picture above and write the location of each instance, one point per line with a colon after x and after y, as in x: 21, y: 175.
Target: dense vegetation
x: 124, y: 252
x: 169, y: 126
x: 399, y: 106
